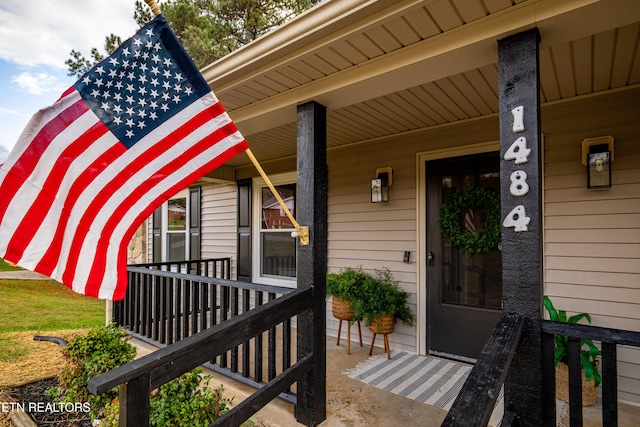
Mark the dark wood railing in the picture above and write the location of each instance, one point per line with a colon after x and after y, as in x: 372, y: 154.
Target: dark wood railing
x: 476, y: 401
x: 163, y: 306
x: 609, y: 339
x: 478, y: 397
x: 137, y: 378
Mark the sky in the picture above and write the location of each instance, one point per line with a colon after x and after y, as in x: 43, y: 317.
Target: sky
x: 36, y: 38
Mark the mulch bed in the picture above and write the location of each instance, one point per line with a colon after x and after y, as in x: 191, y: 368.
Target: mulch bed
x: 33, y: 395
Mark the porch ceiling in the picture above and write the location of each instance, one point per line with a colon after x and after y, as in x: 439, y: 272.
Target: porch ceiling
x: 387, y: 67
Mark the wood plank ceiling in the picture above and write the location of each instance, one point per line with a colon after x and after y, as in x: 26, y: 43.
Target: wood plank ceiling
x: 601, y: 61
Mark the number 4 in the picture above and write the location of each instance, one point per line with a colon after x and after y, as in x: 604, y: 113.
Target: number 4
x: 518, y: 151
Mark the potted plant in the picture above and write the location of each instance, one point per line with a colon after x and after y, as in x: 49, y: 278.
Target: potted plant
x: 381, y: 303
x: 345, y: 288
x: 591, y: 378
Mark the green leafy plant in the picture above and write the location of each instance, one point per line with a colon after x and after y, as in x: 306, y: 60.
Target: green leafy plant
x: 347, y: 283
x: 589, y: 352
x: 381, y: 295
x: 98, y: 351
x: 186, y: 401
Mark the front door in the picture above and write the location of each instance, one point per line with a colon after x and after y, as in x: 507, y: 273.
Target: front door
x: 465, y: 262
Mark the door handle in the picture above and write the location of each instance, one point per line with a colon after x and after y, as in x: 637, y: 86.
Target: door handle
x: 430, y: 258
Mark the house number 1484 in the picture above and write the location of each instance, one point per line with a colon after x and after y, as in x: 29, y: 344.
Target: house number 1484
x: 518, y: 152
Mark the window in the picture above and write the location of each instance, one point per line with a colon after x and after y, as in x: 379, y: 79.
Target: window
x: 274, y: 249
x: 176, y: 232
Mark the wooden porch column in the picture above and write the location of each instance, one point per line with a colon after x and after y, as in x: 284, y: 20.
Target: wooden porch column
x: 311, y: 206
x: 521, y: 200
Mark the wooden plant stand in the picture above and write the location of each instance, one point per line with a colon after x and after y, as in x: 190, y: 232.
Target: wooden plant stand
x: 341, y: 311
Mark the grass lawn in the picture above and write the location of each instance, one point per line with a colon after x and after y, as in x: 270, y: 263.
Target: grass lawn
x: 42, y: 305
x: 4, y: 266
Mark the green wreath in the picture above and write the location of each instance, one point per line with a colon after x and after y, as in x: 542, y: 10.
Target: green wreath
x: 452, y: 216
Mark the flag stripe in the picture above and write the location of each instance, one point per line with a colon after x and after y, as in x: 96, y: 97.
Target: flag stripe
x: 24, y: 167
x: 40, y: 207
x: 119, y: 236
x: 49, y: 260
x: 122, y: 180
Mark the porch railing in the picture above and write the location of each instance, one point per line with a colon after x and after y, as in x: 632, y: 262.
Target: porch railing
x: 476, y: 400
x: 137, y: 378
x: 163, y: 306
x: 609, y: 339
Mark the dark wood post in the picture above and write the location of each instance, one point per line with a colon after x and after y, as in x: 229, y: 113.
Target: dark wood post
x: 134, y: 402
x: 311, y: 206
x: 521, y: 200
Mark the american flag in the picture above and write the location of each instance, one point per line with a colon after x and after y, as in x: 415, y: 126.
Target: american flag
x: 136, y: 129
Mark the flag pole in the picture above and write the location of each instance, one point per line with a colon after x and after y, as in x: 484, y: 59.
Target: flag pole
x: 154, y: 6
x: 301, y: 232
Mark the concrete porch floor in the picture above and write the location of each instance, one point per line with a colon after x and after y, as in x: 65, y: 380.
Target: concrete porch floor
x: 351, y: 403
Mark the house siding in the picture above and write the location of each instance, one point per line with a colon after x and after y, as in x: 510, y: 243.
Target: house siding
x: 592, y: 237
x: 219, y: 223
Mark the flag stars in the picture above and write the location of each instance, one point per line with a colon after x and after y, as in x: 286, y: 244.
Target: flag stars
x: 129, y: 123
x: 141, y: 124
x: 178, y: 76
x: 153, y: 115
x: 166, y: 73
x: 129, y: 134
x: 142, y: 102
x: 164, y: 107
x: 130, y: 88
x: 130, y: 111
x: 149, y: 32
x: 117, y: 120
x: 176, y: 99
x: 105, y: 106
x: 95, y: 93
x: 142, y: 113
x: 167, y: 62
x: 113, y: 60
x: 117, y: 109
x: 177, y: 88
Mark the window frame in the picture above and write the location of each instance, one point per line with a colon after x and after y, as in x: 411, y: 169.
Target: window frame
x: 256, y: 246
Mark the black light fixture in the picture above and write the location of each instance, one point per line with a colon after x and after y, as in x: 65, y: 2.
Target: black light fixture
x: 380, y: 185
x: 597, y: 155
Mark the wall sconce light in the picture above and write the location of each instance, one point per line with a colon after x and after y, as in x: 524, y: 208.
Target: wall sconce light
x: 380, y: 185
x: 597, y: 155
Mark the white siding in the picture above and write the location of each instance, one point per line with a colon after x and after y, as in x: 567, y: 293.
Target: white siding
x: 219, y: 223
x: 592, y: 237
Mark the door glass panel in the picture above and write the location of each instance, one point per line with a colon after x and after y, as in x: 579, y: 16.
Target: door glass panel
x: 474, y: 280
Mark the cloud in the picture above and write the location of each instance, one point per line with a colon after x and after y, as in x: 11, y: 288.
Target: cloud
x: 37, y: 83
x: 44, y: 32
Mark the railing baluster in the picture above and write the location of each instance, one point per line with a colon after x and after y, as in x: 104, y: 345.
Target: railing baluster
x: 157, y: 304
x: 136, y: 304
x: 224, y: 315
x: 575, y: 383
x: 548, y: 380
x: 195, y: 309
x: 204, y: 301
x: 234, y: 312
x: 609, y: 384
x: 246, y: 346
x: 185, y: 307
x: 178, y: 310
x: 257, y: 357
x: 169, y: 292
x: 271, y: 361
x: 286, y: 346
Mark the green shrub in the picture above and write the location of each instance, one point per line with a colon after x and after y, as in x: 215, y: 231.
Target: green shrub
x: 186, y: 401
x: 96, y: 352
x: 347, y: 284
x: 380, y: 295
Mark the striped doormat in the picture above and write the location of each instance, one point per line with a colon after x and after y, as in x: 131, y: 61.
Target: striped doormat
x: 428, y: 379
